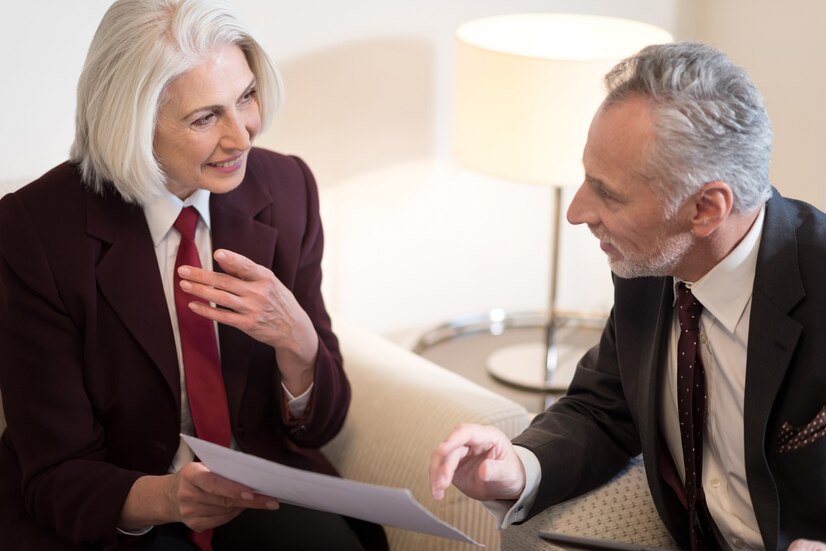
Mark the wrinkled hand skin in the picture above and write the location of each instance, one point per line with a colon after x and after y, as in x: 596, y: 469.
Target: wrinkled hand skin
x: 251, y: 298
x: 480, y: 461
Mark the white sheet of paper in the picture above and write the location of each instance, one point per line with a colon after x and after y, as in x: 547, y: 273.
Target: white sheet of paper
x: 379, y: 504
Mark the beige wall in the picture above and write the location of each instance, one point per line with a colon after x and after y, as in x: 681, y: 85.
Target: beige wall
x: 413, y: 238
x: 782, y: 45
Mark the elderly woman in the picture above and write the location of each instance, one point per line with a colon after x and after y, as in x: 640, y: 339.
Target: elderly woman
x: 166, y: 280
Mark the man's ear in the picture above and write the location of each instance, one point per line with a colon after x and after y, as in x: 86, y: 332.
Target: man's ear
x: 712, y: 205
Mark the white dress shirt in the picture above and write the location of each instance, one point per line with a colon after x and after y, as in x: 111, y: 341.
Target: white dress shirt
x: 725, y: 292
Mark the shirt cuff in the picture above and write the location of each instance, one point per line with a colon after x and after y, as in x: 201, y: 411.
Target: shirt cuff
x: 509, y: 511
x: 297, y: 405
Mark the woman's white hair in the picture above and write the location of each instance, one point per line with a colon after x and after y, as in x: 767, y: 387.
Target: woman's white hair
x: 139, y: 48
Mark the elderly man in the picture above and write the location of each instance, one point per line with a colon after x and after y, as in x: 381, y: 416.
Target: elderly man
x: 711, y: 363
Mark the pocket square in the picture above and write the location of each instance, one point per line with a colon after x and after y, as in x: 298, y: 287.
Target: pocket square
x: 793, y: 438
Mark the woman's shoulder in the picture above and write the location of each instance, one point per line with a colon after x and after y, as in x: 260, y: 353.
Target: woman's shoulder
x: 55, y: 209
x: 284, y: 177
x: 56, y: 185
x: 266, y: 164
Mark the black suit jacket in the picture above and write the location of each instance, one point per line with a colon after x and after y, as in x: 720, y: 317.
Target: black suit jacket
x: 610, y: 412
x: 88, y: 368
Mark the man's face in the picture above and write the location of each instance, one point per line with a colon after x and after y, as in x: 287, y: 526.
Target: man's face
x: 617, y: 201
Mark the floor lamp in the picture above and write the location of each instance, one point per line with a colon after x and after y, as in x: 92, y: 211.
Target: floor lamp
x: 526, y: 88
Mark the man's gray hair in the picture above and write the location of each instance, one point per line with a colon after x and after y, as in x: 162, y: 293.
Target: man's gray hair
x: 139, y: 48
x: 710, y: 122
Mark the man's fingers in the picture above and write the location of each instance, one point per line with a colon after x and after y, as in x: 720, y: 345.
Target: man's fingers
x: 465, y: 441
x: 443, y: 464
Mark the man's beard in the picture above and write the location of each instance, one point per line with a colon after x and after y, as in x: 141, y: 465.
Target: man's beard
x: 668, y: 253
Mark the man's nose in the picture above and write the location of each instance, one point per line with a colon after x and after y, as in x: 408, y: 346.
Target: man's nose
x: 581, y: 210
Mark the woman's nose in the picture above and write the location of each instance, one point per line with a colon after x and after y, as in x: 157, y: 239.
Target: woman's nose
x: 237, y: 135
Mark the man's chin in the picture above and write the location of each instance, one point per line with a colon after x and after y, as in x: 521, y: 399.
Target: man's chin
x: 622, y: 270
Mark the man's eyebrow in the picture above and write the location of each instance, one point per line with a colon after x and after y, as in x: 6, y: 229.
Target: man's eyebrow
x: 597, y: 183
x: 603, y: 188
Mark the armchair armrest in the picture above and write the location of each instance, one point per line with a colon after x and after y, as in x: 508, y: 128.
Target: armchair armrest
x: 621, y: 510
x: 402, y: 407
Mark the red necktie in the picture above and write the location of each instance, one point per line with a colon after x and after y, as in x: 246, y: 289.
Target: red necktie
x: 202, y: 366
x: 691, y: 402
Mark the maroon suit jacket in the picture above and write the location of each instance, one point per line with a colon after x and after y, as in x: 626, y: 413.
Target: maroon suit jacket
x: 88, y: 368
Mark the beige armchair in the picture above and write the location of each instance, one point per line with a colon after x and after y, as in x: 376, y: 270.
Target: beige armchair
x: 620, y: 510
x: 403, y: 406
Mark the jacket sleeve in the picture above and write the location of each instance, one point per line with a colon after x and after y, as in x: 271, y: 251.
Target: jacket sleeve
x: 331, y: 390
x: 587, y: 436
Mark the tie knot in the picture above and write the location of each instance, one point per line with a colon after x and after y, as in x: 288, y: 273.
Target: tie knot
x: 187, y: 222
x: 688, y: 308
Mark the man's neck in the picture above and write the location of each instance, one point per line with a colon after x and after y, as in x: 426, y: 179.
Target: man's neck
x: 707, y: 252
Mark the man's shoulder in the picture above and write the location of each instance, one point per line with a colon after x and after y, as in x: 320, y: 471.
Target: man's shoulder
x: 807, y: 221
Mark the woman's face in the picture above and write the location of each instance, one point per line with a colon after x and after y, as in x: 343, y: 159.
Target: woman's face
x: 207, y: 121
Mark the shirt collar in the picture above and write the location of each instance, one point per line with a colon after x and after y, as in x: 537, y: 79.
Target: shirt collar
x: 726, y: 289
x: 162, y: 212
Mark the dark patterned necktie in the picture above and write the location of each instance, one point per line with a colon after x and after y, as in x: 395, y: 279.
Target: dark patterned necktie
x: 691, y: 402
x: 204, y: 382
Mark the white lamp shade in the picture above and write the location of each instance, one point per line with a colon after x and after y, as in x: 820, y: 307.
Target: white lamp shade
x: 527, y: 86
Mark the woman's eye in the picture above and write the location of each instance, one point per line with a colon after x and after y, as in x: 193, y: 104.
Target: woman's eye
x: 205, y: 120
x: 246, y: 98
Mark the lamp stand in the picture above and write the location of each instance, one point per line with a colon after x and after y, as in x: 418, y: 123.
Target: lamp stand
x: 548, y: 366
x: 552, y: 353
x: 536, y: 366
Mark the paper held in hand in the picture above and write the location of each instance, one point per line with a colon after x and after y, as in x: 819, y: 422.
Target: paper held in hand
x: 387, y: 506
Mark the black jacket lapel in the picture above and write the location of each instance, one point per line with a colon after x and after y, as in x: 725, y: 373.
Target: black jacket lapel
x: 773, y: 337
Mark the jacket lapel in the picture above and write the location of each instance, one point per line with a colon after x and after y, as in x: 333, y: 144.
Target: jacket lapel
x: 773, y: 337
x: 128, y: 278
x: 235, y: 228
x: 655, y: 333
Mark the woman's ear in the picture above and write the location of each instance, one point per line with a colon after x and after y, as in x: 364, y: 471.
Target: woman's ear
x: 713, y: 204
